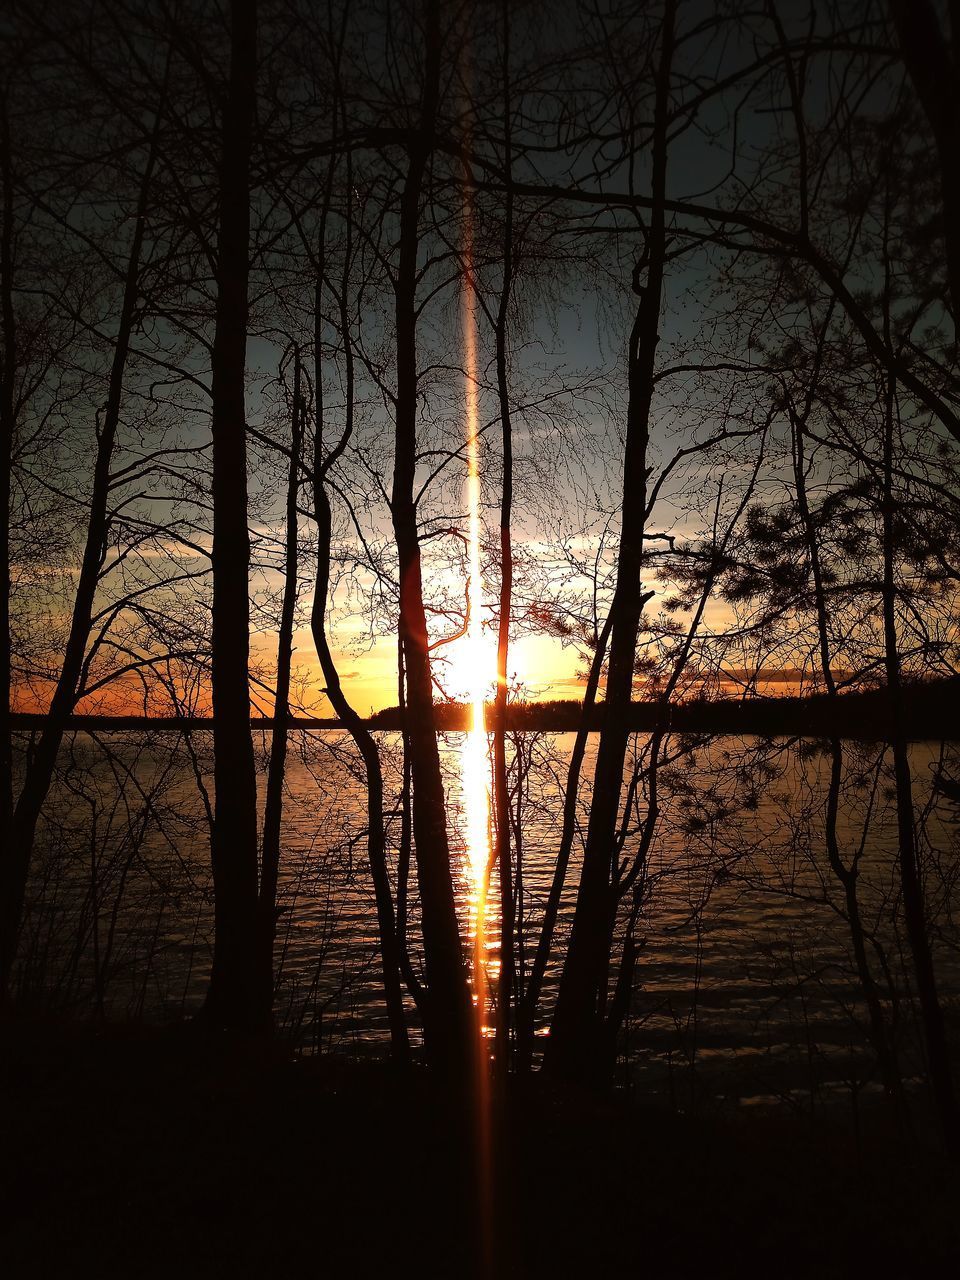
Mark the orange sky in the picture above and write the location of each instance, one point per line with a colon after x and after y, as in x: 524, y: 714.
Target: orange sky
x: 541, y: 664
x: 544, y: 667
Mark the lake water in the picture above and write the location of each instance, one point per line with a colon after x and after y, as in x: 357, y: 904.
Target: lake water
x: 746, y: 988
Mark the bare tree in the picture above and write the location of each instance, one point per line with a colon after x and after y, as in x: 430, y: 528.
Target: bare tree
x: 449, y: 1025
x: 235, y: 998
x: 575, y: 1035
x: 24, y: 815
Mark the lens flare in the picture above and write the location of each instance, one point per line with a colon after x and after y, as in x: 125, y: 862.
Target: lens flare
x: 476, y: 662
x: 476, y: 658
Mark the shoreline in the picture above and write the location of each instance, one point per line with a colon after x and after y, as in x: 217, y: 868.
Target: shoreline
x: 932, y: 711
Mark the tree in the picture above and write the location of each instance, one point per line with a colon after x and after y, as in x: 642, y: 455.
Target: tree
x: 576, y: 1037
x: 22, y: 817
x: 235, y: 998
x: 449, y: 1023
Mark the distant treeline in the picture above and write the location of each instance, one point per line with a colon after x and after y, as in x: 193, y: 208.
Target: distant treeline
x: 932, y: 711
x: 27, y: 720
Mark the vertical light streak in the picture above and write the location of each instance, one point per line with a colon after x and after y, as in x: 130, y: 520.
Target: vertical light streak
x: 479, y: 670
x: 477, y: 663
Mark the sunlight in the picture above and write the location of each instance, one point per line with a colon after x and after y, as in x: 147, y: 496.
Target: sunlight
x: 476, y: 667
x: 475, y: 663
x: 475, y: 659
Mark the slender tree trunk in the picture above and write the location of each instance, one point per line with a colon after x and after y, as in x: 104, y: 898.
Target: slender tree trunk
x: 505, y: 983
x: 847, y: 876
x: 366, y: 745
x: 273, y: 804
x: 576, y: 1045
x: 449, y: 1021
x: 406, y: 839
x: 235, y: 995
x: 22, y: 827
x: 527, y: 1012
x: 911, y: 884
x: 390, y: 952
x: 629, y: 874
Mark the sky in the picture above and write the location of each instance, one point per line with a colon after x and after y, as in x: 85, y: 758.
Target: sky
x: 581, y: 326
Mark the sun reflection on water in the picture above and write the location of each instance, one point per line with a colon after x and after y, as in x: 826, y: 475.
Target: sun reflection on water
x: 477, y: 666
x: 476, y: 663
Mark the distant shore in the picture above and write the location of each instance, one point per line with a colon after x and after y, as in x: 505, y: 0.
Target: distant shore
x: 932, y: 710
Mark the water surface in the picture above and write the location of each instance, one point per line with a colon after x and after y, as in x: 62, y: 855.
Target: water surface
x: 746, y: 984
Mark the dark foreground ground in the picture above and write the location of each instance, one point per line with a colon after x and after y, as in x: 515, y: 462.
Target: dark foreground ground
x: 171, y: 1155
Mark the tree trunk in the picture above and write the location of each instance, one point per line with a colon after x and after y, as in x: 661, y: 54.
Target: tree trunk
x: 500, y: 783
x: 526, y: 1015
x: 847, y: 876
x: 449, y: 1021
x: 405, y: 846
x: 911, y: 884
x: 15, y: 864
x: 390, y: 954
x: 576, y: 1044
x: 273, y: 805
x: 235, y: 995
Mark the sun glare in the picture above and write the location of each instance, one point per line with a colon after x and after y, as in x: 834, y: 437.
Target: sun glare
x: 474, y: 666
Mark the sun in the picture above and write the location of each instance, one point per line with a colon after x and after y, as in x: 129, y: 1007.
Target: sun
x: 471, y: 669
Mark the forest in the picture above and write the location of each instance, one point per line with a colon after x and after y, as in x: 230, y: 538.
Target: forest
x: 481, y: 639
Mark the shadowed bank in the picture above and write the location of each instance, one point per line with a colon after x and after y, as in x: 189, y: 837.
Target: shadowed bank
x: 164, y: 1153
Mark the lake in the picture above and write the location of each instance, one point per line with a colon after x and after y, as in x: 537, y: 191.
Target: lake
x: 746, y: 986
